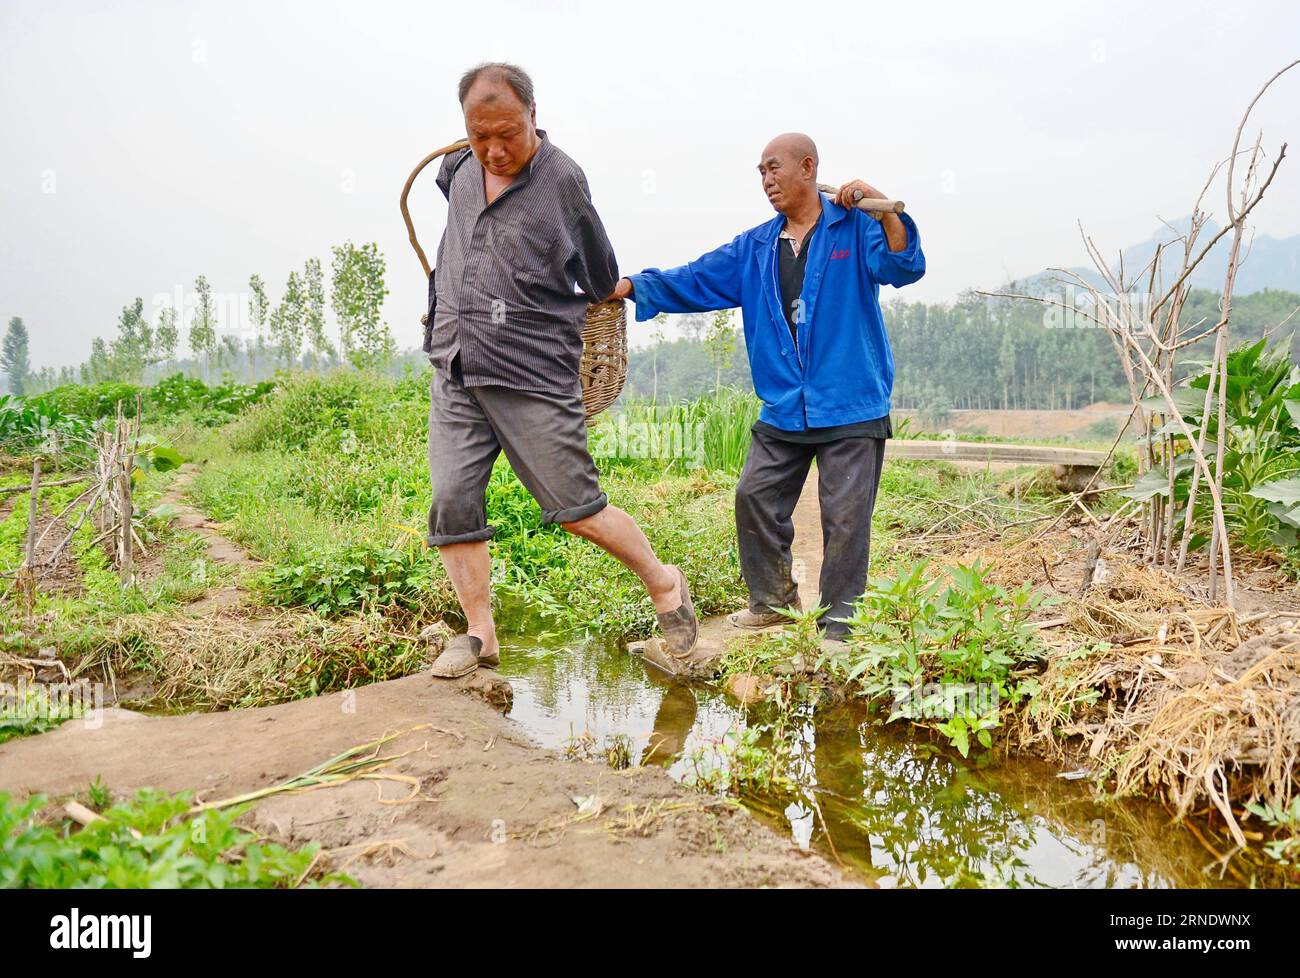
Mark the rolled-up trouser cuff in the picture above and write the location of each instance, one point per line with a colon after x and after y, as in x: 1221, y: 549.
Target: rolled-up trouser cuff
x: 760, y: 607
x: 575, y: 513
x: 473, y: 536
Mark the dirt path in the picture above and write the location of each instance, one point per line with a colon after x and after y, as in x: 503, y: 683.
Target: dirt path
x: 480, y: 804
x: 491, y: 808
x: 220, y: 549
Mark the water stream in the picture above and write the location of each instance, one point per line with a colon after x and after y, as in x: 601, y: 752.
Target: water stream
x: 899, y: 810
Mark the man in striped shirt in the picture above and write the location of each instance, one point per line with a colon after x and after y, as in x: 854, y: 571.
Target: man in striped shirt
x: 505, y: 342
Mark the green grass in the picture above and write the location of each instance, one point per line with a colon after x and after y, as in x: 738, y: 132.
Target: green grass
x: 327, y: 482
x: 149, y: 842
x: 34, y: 714
x: 711, y: 432
x: 100, y: 594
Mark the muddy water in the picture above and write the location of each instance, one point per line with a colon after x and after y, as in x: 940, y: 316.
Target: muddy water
x: 895, y: 809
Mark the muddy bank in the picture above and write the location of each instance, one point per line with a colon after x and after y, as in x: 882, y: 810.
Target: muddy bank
x: 486, y: 807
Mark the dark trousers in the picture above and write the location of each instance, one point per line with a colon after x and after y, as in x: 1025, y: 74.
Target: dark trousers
x: 848, y: 474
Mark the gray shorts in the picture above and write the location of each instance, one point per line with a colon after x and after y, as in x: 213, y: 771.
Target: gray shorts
x: 543, y: 435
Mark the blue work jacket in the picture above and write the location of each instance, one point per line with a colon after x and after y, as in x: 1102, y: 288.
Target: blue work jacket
x: 839, y: 369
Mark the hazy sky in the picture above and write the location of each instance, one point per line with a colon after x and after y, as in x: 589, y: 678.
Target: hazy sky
x: 146, y: 143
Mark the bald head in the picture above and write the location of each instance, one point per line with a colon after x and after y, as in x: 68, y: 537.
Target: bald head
x: 794, y: 147
x: 493, y: 80
x: 789, y: 171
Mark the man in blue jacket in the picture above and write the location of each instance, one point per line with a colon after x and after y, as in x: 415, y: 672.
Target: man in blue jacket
x: 808, y: 284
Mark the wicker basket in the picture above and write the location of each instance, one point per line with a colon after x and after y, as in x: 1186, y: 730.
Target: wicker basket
x: 604, y: 338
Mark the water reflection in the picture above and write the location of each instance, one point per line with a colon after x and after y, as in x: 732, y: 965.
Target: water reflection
x: 885, y: 802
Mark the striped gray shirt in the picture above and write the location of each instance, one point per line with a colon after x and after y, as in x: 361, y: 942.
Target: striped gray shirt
x: 506, y: 273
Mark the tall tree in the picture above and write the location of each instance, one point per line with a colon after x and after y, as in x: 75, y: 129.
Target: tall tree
x: 287, y: 320
x: 358, y: 297
x: 720, y: 341
x: 100, y: 365
x: 259, y: 306
x: 258, y: 310
x: 313, y: 281
x: 14, y: 356
x: 230, y: 350
x: 203, y: 331
x: 132, y: 351
x: 167, y: 335
x: 660, y: 320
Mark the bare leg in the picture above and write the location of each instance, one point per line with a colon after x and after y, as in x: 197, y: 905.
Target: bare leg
x: 470, y: 569
x: 617, y: 533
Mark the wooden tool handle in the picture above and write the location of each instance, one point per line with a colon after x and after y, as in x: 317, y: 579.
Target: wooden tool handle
x: 406, y: 190
x: 874, y: 206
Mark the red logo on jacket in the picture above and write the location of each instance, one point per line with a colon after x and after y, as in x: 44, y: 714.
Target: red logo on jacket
x: 841, y: 253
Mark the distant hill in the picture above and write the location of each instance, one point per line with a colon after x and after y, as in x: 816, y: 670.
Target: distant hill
x: 1270, y: 263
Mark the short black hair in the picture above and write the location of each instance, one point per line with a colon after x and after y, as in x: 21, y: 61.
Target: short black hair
x: 499, y: 71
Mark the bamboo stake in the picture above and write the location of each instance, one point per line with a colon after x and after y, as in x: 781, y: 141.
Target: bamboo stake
x: 14, y: 490
x: 1196, y: 472
x: 33, y: 512
x: 1131, y: 333
x: 124, y: 488
x: 25, y: 579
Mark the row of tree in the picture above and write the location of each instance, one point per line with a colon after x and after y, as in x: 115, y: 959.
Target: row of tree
x: 265, y: 334
x: 980, y: 352
x: 976, y: 353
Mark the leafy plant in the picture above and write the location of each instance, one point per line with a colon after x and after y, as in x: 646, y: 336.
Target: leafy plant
x: 739, y: 762
x: 1261, y: 450
x: 350, y: 578
x: 153, y: 455
x: 1285, y: 849
x: 98, y: 793
x: 149, y: 842
x: 89, y: 401
x: 799, y: 642
x: 33, y: 424
x: 178, y: 393
x: 949, y: 651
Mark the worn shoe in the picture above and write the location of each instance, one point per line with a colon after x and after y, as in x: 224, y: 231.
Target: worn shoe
x: 702, y: 663
x: 758, y: 619
x: 459, y: 658
x: 833, y: 646
x: 680, y: 628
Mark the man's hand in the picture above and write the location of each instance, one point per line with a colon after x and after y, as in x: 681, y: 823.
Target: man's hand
x: 621, y: 291
x: 844, y: 196
x: 895, y: 231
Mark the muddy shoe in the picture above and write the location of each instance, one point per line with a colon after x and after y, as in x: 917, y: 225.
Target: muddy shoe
x: 797, y: 666
x: 833, y: 647
x: 459, y: 658
x: 703, y: 663
x: 755, y: 619
x: 681, y: 629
